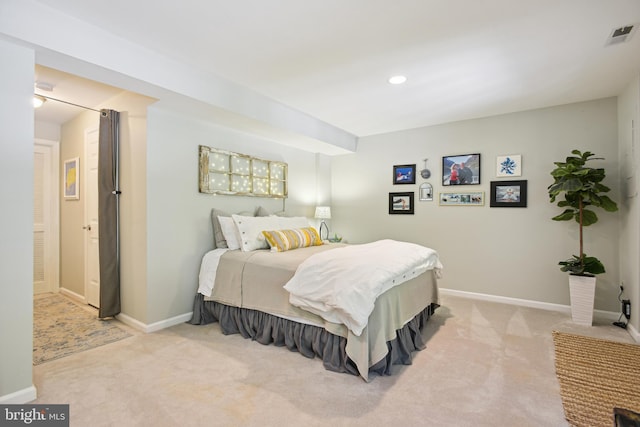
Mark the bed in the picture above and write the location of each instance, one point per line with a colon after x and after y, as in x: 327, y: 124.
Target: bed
x: 262, y: 293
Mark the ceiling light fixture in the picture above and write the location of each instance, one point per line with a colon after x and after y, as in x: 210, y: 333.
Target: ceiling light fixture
x: 44, y: 86
x: 397, y: 80
x: 38, y: 101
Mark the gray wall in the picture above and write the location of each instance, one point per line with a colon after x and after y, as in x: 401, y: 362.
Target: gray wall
x: 16, y: 223
x: 178, y: 225
x: 509, y: 252
x: 629, y: 117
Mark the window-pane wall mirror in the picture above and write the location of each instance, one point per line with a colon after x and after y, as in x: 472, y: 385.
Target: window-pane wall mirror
x: 225, y: 172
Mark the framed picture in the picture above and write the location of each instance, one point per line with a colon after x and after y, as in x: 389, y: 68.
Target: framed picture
x: 72, y: 179
x: 462, y: 169
x: 508, y: 194
x: 401, y: 203
x: 507, y: 166
x: 404, y: 174
x: 472, y: 198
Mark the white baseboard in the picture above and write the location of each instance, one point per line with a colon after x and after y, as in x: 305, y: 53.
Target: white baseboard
x: 634, y: 333
x: 20, y: 397
x: 73, y: 295
x: 601, y: 314
x: 153, y: 327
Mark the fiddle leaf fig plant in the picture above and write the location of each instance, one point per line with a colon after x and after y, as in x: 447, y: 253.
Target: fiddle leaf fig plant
x: 578, y: 189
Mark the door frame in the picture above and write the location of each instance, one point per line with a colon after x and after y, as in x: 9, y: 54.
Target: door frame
x: 53, y: 248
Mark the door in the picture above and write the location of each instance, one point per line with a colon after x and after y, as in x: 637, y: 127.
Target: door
x: 92, y: 254
x: 45, y: 217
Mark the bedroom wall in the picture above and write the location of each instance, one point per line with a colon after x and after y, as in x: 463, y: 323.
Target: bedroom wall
x: 508, y: 252
x: 179, y: 229
x: 50, y: 131
x: 628, y: 118
x: 16, y: 223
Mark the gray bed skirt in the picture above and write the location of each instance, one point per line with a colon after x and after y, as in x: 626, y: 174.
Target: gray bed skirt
x: 308, y: 340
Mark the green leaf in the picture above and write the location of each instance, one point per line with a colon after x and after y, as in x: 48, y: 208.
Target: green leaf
x: 588, y: 217
x: 564, y: 216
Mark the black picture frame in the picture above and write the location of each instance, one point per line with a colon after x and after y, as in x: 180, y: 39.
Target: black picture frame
x: 470, y: 175
x: 404, y: 174
x: 508, y: 194
x: 401, y: 203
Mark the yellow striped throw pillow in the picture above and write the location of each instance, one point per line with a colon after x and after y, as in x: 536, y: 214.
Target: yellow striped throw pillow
x: 285, y: 240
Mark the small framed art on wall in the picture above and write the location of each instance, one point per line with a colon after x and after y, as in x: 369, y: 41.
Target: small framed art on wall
x: 401, y: 203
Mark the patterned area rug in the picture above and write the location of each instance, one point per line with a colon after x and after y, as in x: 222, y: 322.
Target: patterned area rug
x: 595, y: 377
x: 61, y: 328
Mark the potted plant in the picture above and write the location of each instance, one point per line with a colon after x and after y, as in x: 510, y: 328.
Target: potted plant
x: 582, y: 189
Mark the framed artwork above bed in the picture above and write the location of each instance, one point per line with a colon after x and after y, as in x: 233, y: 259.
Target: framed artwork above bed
x: 226, y: 172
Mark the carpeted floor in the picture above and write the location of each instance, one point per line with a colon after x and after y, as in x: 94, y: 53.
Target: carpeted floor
x: 596, y: 376
x: 485, y: 365
x: 61, y: 328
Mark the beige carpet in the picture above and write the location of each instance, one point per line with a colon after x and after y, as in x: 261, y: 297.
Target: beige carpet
x: 485, y: 365
x: 62, y: 328
x: 595, y: 377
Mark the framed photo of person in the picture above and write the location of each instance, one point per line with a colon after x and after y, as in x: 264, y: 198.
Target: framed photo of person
x: 463, y: 169
x: 404, y: 174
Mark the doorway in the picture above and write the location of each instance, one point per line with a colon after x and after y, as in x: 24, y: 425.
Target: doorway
x: 46, y: 234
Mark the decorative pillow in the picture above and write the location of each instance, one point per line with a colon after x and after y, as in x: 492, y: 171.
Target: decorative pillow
x: 264, y: 212
x: 218, y: 237
x: 250, y: 229
x: 286, y: 240
x: 230, y: 232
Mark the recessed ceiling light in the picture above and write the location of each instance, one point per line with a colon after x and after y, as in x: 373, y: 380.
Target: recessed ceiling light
x: 397, y: 80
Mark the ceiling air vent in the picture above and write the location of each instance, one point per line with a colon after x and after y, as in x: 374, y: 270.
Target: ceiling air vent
x: 621, y: 35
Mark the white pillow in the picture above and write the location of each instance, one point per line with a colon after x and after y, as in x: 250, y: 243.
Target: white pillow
x: 285, y: 223
x: 250, y: 229
x: 230, y: 232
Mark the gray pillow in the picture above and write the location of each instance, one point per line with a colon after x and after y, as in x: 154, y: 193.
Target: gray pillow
x: 218, y: 238
x: 264, y: 212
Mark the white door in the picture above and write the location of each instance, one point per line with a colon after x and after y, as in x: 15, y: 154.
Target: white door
x: 45, y: 218
x: 92, y: 258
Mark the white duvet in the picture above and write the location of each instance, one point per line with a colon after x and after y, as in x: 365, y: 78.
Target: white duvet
x: 341, y: 285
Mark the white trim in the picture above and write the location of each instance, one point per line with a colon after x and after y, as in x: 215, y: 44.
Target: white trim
x: 634, y: 333
x: 606, y: 315
x: 19, y: 397
x: 153, y: 327
x: 73, y: 295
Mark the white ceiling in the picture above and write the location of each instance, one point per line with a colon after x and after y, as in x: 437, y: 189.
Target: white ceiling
x: 331, y: 58
x: 72, y: 90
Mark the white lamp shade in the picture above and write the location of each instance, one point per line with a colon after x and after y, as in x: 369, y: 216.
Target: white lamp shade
x: 323, y: 212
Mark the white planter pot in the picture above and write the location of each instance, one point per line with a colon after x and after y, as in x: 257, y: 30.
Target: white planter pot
x: 582, y: 291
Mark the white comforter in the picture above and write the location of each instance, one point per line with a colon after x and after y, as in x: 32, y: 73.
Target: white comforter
x: 341, y: 285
